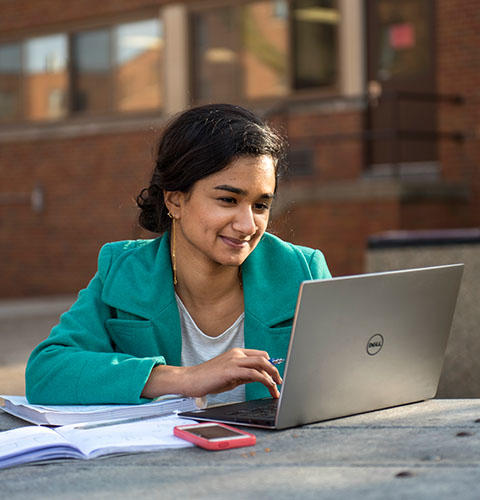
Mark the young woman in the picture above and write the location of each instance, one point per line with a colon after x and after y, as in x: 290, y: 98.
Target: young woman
x: 201, y: 309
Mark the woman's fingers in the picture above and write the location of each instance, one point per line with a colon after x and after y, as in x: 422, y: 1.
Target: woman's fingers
x: 263, y: 364
x: 246, y: 375
x: 272, y: 387
x: 231, y: 369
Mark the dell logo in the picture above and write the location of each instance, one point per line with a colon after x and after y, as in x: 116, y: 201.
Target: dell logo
x: 374, y: 344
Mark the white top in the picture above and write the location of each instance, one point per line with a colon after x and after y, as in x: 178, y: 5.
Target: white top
x: 198, y: 348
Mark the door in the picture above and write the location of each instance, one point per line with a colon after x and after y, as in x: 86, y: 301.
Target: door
x: 401, y: 116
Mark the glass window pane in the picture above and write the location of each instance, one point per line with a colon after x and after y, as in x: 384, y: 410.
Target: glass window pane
x: 46, y: 77
x: 92, y: 71
x: 10, y: 81
x: 265, y: 39
x: 315, y: 24
x: 215, y: 55
x: 139, y: 68
x: 404, y: 39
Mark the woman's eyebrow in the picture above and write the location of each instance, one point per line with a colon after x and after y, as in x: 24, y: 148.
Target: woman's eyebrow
x: 235, y: 190
x: 231, y: 189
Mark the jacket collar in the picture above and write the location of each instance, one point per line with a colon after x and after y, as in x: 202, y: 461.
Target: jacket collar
x: 140, y: 280
x: 270, y: 281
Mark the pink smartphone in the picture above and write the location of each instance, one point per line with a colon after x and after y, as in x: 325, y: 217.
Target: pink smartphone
x: 214, y: 436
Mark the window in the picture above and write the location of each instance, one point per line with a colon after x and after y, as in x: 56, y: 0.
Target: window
x: 216, y: 54
x: 314, y: 43
x: 45, y: 78
x: 116, y: 68
x: 119, y: 68
x: 405, y: 39
x: 10, y: 81
x: 138, y: 65
x: 92, y: 78
x: 263, y: 48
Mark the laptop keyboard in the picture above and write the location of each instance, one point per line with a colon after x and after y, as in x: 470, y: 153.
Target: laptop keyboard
x: 258, y: 412
x: 263, y: 408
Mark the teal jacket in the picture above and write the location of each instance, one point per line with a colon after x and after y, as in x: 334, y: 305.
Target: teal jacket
x: 126, y: 321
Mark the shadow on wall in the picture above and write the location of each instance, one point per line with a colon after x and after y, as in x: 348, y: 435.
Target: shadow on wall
x: 411, y: 249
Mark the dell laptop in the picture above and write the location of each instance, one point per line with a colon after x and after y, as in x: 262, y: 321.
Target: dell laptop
x: 358, y: 343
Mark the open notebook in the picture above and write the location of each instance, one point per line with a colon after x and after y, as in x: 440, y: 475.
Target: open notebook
x: 85, y: 441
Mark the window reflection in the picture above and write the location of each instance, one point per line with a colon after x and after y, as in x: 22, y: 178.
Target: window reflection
x: 404, y: 40
x: 45, y: 77
x: 263, y: 48
x: 92, y: 71
x: 139, y: 56
x: 10, y: 81
x: 241, y: 52
x: 117, y: 68
x: 265, y: 40
x: 315, y: 25
x: 215, y: 55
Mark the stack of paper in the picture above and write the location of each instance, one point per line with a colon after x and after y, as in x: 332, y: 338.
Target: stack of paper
x: 65, y: 415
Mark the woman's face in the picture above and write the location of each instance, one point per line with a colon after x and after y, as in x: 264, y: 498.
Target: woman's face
x: 222, y: 218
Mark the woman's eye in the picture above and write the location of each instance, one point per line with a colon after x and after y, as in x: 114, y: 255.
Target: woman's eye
x: 228, y: 200
x: 262, y: 207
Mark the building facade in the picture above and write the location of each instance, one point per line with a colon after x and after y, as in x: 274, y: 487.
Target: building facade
x: 379, y: 99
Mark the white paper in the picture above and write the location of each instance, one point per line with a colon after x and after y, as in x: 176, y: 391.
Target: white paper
x: 144, y: 435
x: 71, y: 414
x: 25, y: 438
x: 22, y: 401
x: 33, y: 443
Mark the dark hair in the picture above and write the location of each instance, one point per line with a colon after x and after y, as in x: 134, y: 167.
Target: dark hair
x: 198, y: 143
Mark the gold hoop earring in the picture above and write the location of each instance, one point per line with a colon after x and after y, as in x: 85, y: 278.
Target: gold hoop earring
x: 173, y: 249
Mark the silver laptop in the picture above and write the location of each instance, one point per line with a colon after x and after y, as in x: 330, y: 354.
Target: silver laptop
x: 358, y: 343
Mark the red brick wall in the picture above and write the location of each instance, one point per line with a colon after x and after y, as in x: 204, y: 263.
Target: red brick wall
x: 332, y: 226
x: 435, y: 214
x: 458, y: 72
x: 339, y: 228
x: 90, y: 183
x: 28, y: 15
x: 337, y: 157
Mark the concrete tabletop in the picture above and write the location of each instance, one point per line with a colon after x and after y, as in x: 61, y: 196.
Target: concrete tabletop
x: 424, y: 450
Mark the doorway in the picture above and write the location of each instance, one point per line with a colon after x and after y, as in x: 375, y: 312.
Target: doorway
x: 401, y: 115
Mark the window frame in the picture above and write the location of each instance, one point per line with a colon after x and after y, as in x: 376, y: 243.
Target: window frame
x: 21, y: 86
x: 70, y: 29
x: 194, y: 9
x: 292, y: 93
x: 323, y: 90
x: 73, y: 75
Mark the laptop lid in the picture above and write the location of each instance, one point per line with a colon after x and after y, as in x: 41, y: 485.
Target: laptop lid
x: 360, y: 343
x: 366, y: 342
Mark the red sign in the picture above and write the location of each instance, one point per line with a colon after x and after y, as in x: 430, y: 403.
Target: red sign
x: 402, y: 36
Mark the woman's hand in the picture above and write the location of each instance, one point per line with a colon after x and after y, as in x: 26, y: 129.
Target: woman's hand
x: 230, y: 369
x: 222, y: 373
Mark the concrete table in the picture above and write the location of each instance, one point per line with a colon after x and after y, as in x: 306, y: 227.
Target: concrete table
x: 425, y: 450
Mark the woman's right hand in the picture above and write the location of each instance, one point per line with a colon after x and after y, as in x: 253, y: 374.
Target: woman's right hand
x: 231, y: 369
x: 222, y: 373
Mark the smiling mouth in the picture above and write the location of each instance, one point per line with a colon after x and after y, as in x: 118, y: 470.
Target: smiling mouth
x: 233, y: 242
